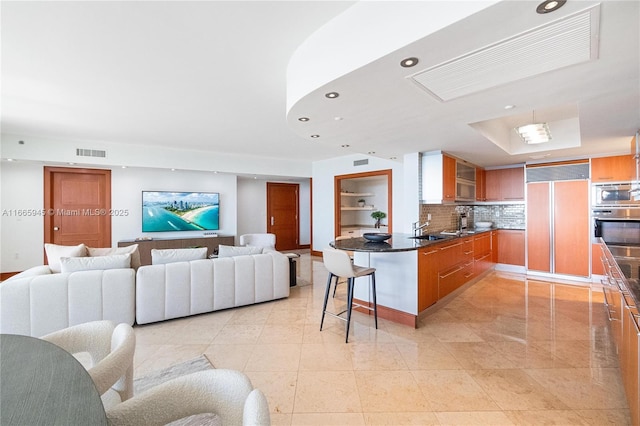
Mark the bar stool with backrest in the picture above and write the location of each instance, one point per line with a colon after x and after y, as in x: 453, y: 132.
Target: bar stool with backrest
x: 339, y: 264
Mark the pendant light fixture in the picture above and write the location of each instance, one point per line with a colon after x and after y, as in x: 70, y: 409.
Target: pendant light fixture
x: 534, y: 133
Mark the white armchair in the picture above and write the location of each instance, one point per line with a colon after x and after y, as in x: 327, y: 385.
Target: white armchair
x: 258, y: 240
x: 226, y: 393
x: 106, y: 351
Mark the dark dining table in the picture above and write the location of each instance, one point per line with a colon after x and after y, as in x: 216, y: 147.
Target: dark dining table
x: 41, y: 384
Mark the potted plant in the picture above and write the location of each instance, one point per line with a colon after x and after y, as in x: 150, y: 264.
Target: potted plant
x: 361, y: 202
x: 378, y: 216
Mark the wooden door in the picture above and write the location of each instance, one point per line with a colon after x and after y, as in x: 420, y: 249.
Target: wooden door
x: 78, y: 206
x: 538, y: 227
x: 283, y: 214
x: 571, y: 227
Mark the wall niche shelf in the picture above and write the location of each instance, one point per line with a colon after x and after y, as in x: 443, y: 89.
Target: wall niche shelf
x: 356, y: 208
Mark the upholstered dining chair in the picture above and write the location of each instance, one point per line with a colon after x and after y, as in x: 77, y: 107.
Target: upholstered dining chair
x: 258, y: 240
x: 227, y: 393
x: 350, y: 253
x: 339, y: 264
x: 106, y: 351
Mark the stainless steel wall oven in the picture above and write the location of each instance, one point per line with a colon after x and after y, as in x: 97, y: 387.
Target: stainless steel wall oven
x: 620, y: 230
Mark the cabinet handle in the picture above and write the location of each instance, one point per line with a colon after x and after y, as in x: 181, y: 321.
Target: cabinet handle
x: 468, y: 275
x: 468, y: 252
x: 451, y: 246
x: 430, y: 252
x: 458, y: 269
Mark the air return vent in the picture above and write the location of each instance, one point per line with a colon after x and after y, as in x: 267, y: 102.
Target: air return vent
x: 567, y: 41
x: 81, y: 152
x: 555, y: 173
x: 361, y: 162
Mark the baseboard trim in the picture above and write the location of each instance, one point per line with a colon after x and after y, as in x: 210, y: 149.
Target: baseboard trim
x: 390, y: 314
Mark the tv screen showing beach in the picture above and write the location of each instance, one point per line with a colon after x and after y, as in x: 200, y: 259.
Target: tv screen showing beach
x: 164, y: 211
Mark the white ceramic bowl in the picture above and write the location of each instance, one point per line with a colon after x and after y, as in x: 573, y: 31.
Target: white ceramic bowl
x: 483, y: 224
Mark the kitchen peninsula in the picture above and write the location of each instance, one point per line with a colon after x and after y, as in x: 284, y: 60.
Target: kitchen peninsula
x: 414, y: 273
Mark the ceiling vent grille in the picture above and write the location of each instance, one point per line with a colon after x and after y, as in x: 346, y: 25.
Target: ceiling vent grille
x: 567, y: 41
x: 81, y: 152
x: 361, y: 162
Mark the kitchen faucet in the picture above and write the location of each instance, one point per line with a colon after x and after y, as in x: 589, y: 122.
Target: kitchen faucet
x: 418, y: 228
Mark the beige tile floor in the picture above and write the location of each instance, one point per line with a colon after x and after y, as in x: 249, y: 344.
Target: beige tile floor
x: 506, y: 350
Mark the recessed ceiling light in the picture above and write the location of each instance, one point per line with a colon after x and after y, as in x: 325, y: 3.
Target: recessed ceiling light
x: 509, y: 106
x: 315, y: 136
x: 548, y: 6
x: 71, y: 164
x: 173, y: 170
x: 409, y: 62
x: 332, y: 95
x: 124, y: 167
x: 337, y: 118
x: 345, y: 146
x: 9, y: 159
x: 303, y: 119
x: 371, y: 152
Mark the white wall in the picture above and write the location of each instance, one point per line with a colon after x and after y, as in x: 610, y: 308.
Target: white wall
x: 21, y: 237
x: 126, y: 194
x: 323, y: 194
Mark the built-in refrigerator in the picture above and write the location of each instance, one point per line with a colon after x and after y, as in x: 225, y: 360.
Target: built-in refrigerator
x: 558, y: 228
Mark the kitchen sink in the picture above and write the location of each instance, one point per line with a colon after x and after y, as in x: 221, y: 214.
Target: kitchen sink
x: 429, y: 237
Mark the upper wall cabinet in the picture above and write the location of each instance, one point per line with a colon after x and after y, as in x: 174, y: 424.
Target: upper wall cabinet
x: 620, y: 168
x: 505, y: 184
x: 446, y: 179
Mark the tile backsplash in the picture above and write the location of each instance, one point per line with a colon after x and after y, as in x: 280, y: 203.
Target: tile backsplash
x: 445, y: 216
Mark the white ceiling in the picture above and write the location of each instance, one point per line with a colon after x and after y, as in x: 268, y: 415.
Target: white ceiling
x: 213, y: 76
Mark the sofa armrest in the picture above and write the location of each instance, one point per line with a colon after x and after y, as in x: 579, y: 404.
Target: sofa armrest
x: 31, y: 272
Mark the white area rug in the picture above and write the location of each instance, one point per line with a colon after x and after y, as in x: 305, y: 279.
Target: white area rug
x: 150, y: 380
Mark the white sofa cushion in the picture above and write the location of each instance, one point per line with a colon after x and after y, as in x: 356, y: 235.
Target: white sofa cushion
x: 108, y: 251
x: 232, y: 251
x: 115, y: 261
x: 55, y: 252
x: 161, y: 257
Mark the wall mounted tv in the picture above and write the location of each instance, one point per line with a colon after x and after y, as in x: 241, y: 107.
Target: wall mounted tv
x: 164, y: 211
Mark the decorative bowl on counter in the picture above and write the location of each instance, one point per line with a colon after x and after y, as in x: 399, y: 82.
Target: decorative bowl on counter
x: 483, y: 224
x: 376, y: 236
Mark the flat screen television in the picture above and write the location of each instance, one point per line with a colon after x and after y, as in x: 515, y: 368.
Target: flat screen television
x: 164, y: 211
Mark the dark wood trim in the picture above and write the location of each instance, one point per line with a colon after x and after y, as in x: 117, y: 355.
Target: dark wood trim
x: 390, y: 314
x: 337, y: 185
x: 316, y: 253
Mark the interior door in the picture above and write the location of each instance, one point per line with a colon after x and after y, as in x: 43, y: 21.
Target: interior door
x: 77, y: 203
x: 283, y: 214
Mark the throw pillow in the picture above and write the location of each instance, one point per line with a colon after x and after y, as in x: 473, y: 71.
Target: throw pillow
x: 232, y: 251
x: 108, y: 251
x: 161, y: 257
x: 115, y: 261
x: 55, y: 252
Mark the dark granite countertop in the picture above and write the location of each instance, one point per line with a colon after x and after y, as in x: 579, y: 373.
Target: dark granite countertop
x: 398, y: 242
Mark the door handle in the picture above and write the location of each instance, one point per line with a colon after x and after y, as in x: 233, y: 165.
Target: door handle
x: 272, y: 220
x: 55, y: 228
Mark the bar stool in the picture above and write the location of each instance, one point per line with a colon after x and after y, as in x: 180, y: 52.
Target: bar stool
x: 350, y: 253
x: 339, y: 264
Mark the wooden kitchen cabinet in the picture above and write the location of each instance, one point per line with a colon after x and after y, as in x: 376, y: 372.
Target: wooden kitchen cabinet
x: 504, y: 184
x: 448, y: 178
x: 481, y: 184
x: 596, y: 260
x: 482, y: 253
x: 427, y: 277
x: 619, y: 168
x: 511, y: 247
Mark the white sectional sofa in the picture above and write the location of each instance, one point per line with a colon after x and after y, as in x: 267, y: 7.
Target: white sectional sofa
x: 180, y: 289
x: 37, y: 301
